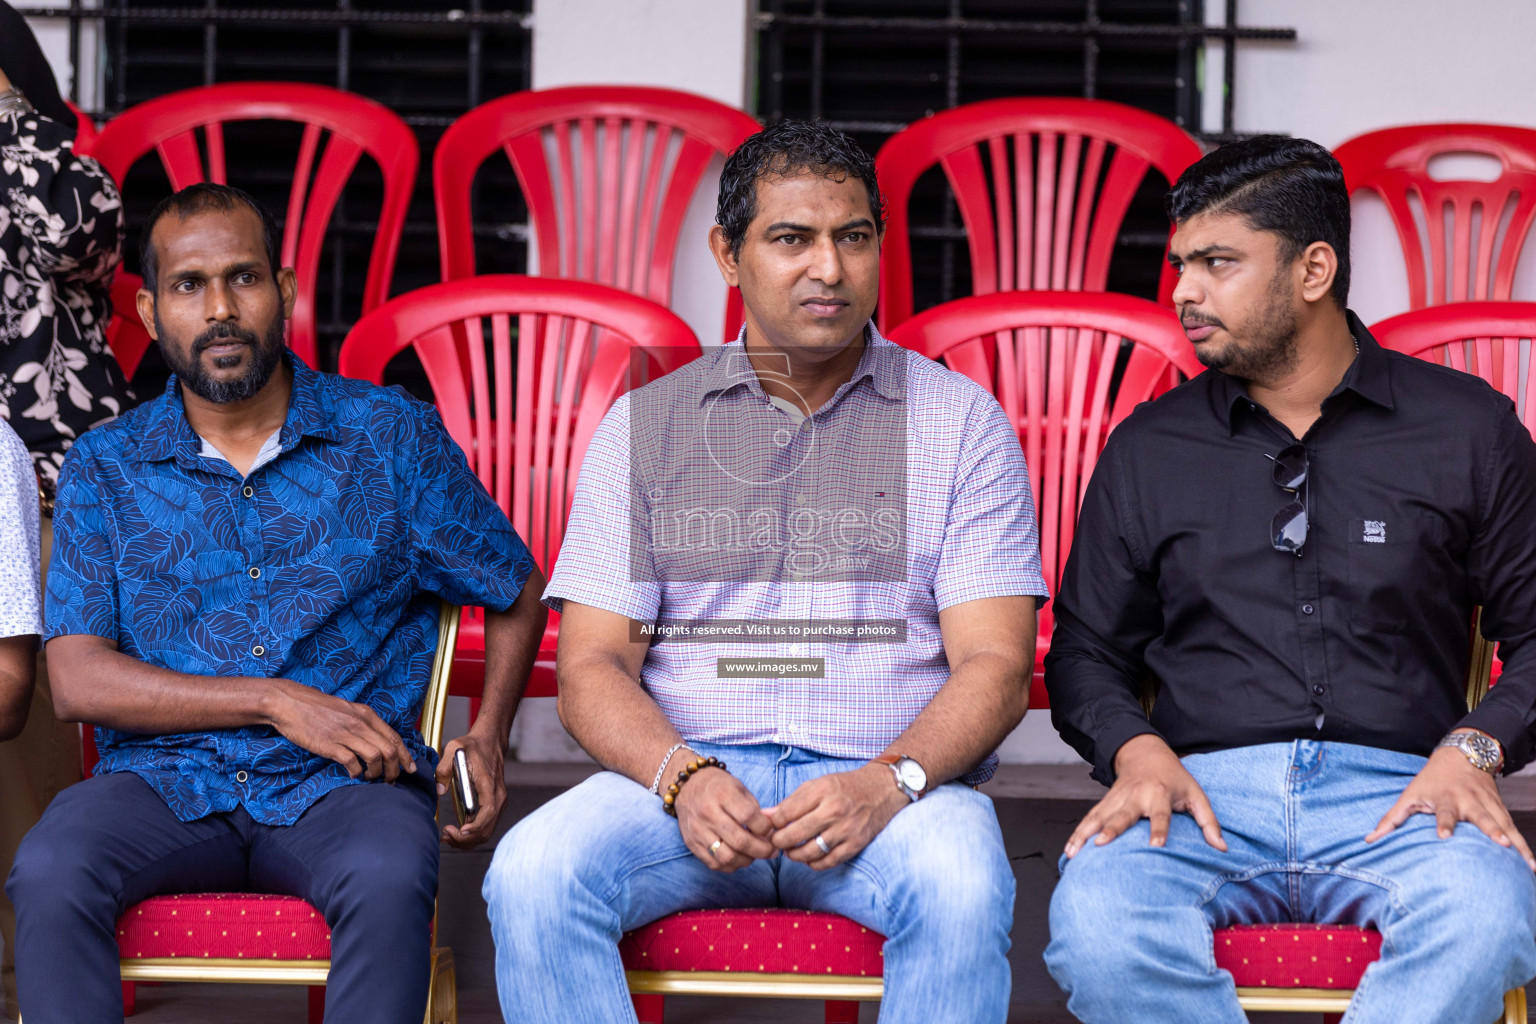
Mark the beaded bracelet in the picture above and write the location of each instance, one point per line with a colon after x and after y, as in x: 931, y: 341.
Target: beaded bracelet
x: 669, y: 798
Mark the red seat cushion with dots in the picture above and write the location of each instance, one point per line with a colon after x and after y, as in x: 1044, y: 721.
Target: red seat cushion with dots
x: 231, y: 926
x: 756, y: 941
x: 1297, y: 955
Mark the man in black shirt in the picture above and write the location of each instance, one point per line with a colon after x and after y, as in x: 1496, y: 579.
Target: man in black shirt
x: 1288, y: 550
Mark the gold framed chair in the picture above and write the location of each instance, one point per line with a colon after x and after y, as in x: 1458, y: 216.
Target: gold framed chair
x: 305, y: 952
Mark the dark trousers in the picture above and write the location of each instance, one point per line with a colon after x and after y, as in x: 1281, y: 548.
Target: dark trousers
x: 365, y: 856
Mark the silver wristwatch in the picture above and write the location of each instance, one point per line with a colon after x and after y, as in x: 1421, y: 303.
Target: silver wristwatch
x: 910, y: 777
x: 1483, y: 751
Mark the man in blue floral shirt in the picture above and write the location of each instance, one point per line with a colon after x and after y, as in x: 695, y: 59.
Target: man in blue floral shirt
x: 243, y: 599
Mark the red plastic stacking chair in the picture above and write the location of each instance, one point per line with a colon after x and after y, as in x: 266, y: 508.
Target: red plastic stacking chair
x: 607, y: 172
x: 1481, y: 338
x: 560, y: 353
x: 85, y: 130
x: 1049, y: 357
x: 1472, y: 231
x: 168, y: 125
x: 252, y: 938
x: 1026, y: 174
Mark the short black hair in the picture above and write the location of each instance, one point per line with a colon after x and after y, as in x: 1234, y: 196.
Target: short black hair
x: 1291, y: 187
x: 786, y: 148
x: 196, y: 199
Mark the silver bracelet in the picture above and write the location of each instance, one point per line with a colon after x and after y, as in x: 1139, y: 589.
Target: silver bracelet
x: 656, y: 782
x: 14, y: 101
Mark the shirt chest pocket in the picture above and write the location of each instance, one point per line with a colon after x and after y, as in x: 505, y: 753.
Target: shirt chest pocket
x: 1392, y: 568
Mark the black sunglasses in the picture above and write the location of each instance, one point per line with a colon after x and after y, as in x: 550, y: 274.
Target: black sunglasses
x: 1288, y: 530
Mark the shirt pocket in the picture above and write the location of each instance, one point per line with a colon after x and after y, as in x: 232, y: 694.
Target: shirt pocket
x: 1392, y: 570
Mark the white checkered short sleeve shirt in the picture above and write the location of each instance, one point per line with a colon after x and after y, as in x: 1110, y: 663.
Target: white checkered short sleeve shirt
x: 20, y: 575
x: 954, y: 470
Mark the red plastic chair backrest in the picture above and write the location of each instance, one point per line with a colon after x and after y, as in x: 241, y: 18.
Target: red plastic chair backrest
x: 1049, y: 358
x: 356, y: 125
x: 608, y: 173
x: 560, y: 353
x: 1472, y: 231
x: 1492, y: 340
x: 85, y: 129
x: 1042, y: 186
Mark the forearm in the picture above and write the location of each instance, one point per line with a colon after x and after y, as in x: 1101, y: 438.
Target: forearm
x: 1505, y: 712
x: 102, y: 686
x: 18, y: 666
x: 607, y: 711
x: 1095, y: 710
x: 982, y: 702
x: 511, y: 645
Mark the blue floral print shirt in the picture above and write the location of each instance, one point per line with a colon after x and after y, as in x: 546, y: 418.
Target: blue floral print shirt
x: 324, y: 566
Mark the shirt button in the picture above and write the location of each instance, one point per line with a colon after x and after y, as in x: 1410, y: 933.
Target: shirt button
x: 1307, y: 609
x: 248, y: 490
x: 255, y: 573
x: 790, y: 727
x: 258, y: 650
x: 241, y: 776
x: 1318, y: 690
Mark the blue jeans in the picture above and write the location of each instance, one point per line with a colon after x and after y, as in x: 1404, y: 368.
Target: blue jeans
x: 603, y: 858
x: 1131, y: 925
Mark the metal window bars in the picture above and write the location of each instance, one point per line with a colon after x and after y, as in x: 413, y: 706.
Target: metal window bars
x: 870, y: 67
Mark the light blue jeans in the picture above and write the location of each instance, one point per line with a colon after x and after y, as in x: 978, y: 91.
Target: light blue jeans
x: 603, y: 858
x: 1131, y: 925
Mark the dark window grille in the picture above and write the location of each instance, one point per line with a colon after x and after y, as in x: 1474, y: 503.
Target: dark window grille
x: 427, y: 62
x: 871, y: 67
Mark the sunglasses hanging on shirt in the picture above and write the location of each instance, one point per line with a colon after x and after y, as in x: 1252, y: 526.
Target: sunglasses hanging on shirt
x: 1288, y: 530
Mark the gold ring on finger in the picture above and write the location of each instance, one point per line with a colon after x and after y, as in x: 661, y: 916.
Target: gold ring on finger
x: 714, y: 847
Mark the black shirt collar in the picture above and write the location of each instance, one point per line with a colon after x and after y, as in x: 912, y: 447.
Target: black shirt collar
x: 1369, y: 376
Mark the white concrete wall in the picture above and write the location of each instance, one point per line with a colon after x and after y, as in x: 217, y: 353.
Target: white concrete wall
x: 53, y: 36
x: 1359, y: 65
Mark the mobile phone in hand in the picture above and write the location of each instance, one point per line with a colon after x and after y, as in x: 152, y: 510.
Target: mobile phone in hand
x: 464, y: 802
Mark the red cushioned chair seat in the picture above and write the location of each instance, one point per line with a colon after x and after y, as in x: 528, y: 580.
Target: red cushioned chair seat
x: 1297, y: 955
x: 755, y: 941
x: 224, y: 926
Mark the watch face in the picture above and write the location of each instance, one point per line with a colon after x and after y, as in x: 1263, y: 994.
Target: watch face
x: 912, y: 774
x: 1487, y: 750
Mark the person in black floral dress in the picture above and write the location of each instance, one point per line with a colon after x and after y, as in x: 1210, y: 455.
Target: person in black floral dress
x: 61, y: 226
x: 60, y: 235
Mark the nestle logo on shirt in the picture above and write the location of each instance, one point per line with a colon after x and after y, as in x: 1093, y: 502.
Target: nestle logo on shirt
x: 1375, y: 532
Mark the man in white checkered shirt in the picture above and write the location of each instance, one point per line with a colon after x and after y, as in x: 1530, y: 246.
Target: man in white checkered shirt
x: 798, y: 589
x: 20, y: 584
